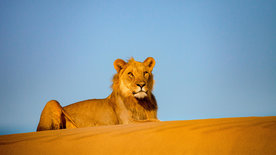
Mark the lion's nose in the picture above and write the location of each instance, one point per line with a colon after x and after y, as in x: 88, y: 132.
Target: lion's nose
x: 141, y: 85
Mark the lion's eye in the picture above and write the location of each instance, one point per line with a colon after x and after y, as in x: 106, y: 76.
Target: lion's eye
x: 130, y: 74
x: 146, y: 74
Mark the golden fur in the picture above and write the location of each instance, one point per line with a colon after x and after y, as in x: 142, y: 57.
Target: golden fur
x: 130, y: 101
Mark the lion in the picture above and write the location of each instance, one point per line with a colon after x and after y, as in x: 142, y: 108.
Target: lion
x: 131, y: 101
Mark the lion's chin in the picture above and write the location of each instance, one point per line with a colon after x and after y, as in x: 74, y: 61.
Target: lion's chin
x: 140, y: 95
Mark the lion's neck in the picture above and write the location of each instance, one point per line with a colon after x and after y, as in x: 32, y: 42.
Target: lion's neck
x: 130, y: 109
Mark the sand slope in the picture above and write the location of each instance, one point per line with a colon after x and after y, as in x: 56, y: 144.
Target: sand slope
x: 247, y: 135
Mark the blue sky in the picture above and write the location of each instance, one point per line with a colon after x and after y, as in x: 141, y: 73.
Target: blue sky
x: 213, y: 58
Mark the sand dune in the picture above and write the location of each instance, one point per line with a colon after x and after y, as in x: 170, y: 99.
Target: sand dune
x: 247, y: 135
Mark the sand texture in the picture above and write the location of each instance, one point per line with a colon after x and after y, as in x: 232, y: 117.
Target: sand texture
x: 246, y: 135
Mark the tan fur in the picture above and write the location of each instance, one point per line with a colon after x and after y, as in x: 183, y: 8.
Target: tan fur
x: 131, y: 101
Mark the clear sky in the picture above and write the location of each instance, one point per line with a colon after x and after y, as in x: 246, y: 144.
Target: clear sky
x: 213, y: 58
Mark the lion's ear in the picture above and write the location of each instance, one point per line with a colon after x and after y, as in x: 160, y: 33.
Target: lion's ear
x: 150, y: 62
x: 119, y: 64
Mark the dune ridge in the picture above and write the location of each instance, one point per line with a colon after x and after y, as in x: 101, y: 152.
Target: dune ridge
x: 244, y: 135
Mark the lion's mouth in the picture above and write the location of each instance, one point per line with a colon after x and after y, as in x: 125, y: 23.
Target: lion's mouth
x: 141, y: 94
x: 141, y: 91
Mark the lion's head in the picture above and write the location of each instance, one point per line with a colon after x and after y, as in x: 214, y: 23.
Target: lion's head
x: 134, y: 78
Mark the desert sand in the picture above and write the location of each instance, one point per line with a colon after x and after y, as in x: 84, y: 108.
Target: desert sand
x: 246, y: 135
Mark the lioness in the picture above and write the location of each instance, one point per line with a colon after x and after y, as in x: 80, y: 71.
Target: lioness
x: 131, y: 101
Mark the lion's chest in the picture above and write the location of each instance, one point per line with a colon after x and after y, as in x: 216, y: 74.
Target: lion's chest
x: 130, y: 111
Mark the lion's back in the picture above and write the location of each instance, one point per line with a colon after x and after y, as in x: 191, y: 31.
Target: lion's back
x: 94, y: 112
